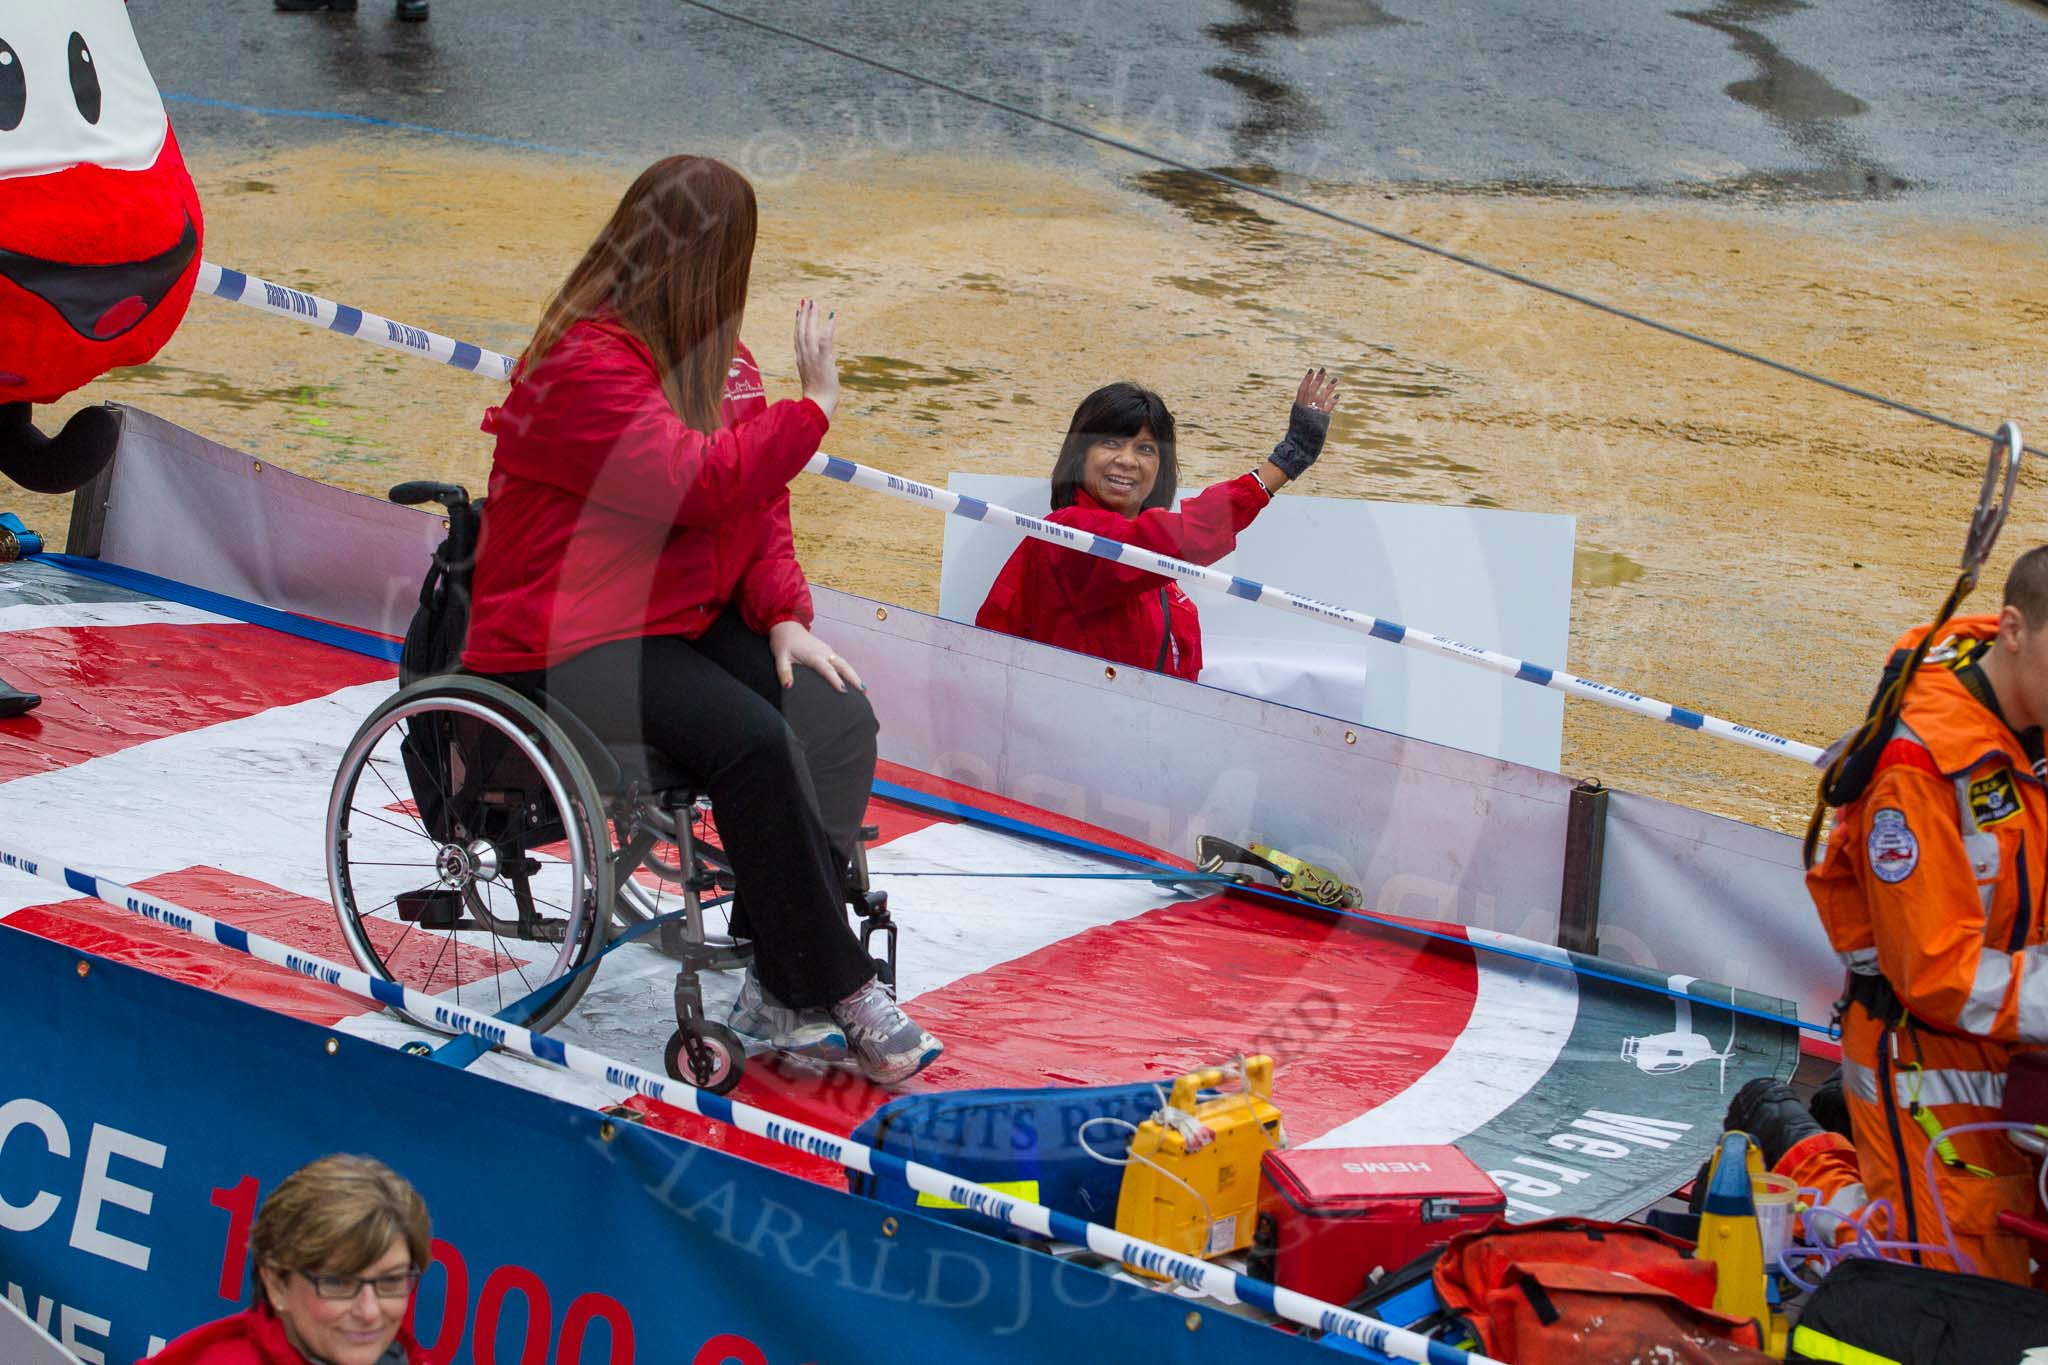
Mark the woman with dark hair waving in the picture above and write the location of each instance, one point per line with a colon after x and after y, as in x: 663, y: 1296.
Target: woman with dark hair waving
x: 637, y: 568
x: 1116, y: 477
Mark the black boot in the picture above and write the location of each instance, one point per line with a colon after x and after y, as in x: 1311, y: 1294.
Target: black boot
x: 1830, y: 1110
x: 15, y: 703
x: 42, y: 464
x: 1773, y: 1117
x: 412, y: 10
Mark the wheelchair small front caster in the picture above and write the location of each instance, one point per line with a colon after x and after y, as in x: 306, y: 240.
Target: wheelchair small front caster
x: 885, y: 972
x: 704, y: 1054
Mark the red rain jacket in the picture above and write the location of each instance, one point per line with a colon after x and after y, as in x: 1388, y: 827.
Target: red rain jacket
x: 1084, y: 602
x: 253, y: 1336
x: 610, y: 519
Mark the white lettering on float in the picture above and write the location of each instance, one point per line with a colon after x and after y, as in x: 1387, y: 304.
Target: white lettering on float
x: 1522, y: 1188
x: 97, y: 1188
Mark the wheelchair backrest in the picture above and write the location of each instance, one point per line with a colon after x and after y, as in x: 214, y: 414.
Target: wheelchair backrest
x: 433, y: 639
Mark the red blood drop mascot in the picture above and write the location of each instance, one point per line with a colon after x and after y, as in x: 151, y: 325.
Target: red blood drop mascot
x: 99, y: 231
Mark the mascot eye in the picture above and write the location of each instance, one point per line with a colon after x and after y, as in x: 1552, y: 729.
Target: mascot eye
x: 85, y: 80
x: 13, y: 89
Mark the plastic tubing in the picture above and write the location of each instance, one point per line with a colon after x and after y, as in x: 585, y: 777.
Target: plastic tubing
x: 1862, y: 1244
x: 1964, y: 1263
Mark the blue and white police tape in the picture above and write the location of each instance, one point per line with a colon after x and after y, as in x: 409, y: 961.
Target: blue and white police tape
x: 284, y: 301
x: 272, y: 298
x: 1219, y: 1283
x: 1266, y: 595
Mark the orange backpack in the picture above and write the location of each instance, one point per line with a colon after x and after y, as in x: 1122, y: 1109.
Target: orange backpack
x: 1576, y: 1292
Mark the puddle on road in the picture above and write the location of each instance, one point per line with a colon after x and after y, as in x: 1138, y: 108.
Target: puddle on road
x: 174, y: 381
x: 1204, y: 199
x: 1812, y: 110
x: 1263, y: 19
x: 891, y: 374
x: 1603, y: 569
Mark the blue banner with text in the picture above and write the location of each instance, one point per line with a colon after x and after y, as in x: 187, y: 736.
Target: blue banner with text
x: 142, y: 1121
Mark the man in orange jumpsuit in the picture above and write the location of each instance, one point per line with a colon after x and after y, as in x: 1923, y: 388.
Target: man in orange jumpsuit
x: 1932, y: 892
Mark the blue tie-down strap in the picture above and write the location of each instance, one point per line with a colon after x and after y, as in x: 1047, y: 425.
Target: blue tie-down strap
x: 465, y: 1048
x: 1416, y: 1307
x: 1021, y: 1142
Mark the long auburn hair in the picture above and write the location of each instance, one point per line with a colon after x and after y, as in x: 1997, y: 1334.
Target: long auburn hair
x: 1122, y: 409
x: 672, y: 264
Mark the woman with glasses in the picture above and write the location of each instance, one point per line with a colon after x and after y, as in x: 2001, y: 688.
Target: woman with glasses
x: 1116, y: 477
x: 337, y: 1249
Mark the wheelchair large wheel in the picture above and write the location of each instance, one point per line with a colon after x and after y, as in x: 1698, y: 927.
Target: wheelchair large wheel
x: 468, y: 852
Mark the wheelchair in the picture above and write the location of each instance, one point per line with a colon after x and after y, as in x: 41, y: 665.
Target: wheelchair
x: 482, y: 848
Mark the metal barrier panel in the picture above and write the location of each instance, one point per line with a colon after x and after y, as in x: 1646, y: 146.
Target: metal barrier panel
x: 1689, y: 892
x: 183, y: 507
x: 1425, y: 830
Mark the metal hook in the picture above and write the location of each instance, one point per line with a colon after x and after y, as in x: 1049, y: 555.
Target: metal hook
x: 1993, y: 503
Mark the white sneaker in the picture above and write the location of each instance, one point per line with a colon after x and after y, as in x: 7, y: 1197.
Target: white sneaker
x: 887, y: 1043
x: 759, y: 1017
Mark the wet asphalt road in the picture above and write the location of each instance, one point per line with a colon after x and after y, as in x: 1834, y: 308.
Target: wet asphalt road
x: 1933, y: 103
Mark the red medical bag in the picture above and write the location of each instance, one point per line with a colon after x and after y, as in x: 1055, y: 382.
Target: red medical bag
x: 1328, y: 1217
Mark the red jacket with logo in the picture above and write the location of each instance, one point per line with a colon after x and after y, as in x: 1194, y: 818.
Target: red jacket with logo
x: 254, y: 1336
x: 1085, y: 602
x: 609, y: 518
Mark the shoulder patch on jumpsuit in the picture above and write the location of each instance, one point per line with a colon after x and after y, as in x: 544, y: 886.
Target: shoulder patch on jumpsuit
x: 1894, y: 851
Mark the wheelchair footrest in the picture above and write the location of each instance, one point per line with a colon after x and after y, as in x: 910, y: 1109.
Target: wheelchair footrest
x: 438, y: 908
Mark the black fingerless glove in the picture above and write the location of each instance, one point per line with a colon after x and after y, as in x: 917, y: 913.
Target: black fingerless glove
x: 1306, y: 429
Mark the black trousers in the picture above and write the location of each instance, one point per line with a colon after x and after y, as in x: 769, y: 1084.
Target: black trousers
x: 788, y: 773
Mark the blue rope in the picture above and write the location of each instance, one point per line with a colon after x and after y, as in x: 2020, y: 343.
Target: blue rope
x: 220, y: 604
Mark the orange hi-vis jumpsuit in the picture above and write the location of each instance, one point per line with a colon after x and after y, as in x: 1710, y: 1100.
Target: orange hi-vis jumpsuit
x: 1931, y: 893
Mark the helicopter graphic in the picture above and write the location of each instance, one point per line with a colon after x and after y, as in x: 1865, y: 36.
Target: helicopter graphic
x: 1682, y: 1049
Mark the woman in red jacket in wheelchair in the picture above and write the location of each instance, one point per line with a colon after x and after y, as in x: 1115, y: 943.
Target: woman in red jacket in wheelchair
x: 637, y: 567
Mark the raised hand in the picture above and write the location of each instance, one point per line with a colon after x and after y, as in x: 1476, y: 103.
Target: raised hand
x: 1308, y: 422
x: 1317, y: 391
x: 817, y: 367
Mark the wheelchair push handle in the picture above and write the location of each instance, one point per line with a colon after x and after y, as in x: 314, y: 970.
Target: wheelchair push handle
x: 452, y: 496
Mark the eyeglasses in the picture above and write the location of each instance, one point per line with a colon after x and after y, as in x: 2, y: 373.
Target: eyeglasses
x: 344, y: 1287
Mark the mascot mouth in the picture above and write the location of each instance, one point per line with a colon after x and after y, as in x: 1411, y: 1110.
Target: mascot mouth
x: 100, y: 302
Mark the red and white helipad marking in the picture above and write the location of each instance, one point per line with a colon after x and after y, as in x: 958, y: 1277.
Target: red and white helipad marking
x: 192, y: 756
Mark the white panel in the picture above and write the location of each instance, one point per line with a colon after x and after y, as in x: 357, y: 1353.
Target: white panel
x: 24, y: 1343
x: 1493, y: 578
